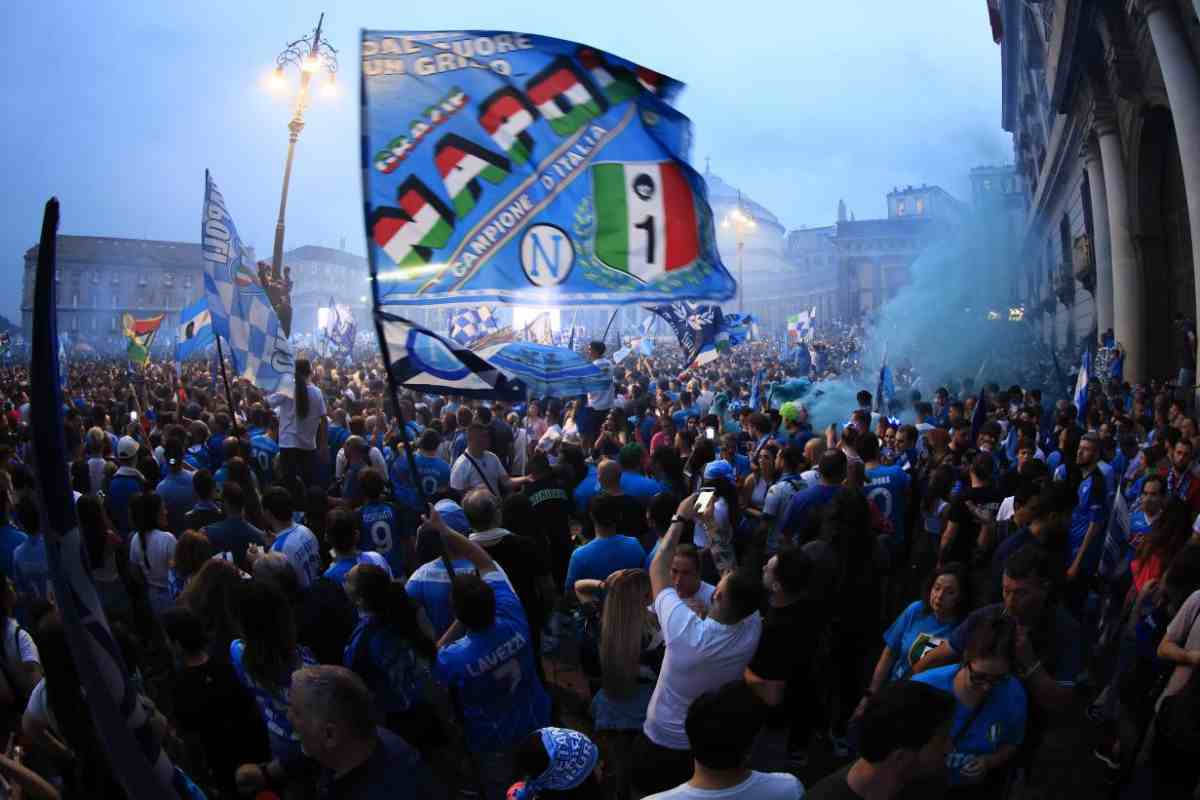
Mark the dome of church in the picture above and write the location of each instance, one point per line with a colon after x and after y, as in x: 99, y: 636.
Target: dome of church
x: 724, y: 195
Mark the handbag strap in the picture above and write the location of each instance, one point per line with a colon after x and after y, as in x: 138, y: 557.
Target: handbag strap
x: 478, y: 469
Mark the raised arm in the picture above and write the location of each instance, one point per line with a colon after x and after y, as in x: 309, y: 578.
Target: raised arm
x: 660, y: 567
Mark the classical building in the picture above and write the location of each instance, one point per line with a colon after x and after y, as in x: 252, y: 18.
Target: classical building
x: 1102, y: 98
x: 850, y: 269
x: 99, y: 279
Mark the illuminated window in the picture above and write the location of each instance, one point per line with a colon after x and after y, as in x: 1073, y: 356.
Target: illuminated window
x: 899, y: 208
x: 920, y: 205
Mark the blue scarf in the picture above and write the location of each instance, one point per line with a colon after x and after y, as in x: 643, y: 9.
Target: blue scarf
x: 572, y: 759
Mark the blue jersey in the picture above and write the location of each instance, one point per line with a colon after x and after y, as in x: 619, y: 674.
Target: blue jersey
x: 337, y: 437
x: 264, y: 449
x: 887, y: 488
x: 1091, y: 507
x: 492, y: 675
x: 383, y: 531
x: 1000, y: 720
x: 429, y: 587
x: 433, y: 473
x: 272, y: 703
x: 396, y: 675
x: 216, y: 456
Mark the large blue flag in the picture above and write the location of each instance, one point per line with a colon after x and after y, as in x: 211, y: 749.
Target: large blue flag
x: 242, y: 313
x: 515, y: 168
x: 122, y: 720
x: 195, y: 330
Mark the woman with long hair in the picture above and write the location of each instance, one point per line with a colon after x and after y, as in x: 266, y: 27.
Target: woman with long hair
x: 100, y: 542
x: 631, y: 651
x: 191, y: 552
x: 394, y: 656
x: 212, y: 596
x: 302, y: 425
x: 152, y: 549
x: 752, y: 493
x: 702, y: 453
x: 1157, y: 549
x: 239, y: 472
x: 265, y: 658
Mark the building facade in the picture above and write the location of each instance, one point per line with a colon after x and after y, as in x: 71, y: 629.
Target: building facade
x: 99, y: 279
x: 1102, y: 98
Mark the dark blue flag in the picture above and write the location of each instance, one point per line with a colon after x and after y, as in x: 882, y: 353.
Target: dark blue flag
x: 697, y: 327
x: 121, y: 718
x: 979, y: 416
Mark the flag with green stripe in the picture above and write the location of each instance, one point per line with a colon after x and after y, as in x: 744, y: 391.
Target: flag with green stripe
x: 646, y: 222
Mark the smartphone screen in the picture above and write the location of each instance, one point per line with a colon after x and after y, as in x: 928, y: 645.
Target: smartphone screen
x: 710, y: 433
x: 133, y: 416
x: 704, y: 500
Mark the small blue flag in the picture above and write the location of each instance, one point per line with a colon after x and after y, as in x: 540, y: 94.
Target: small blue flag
x: 1081, y: 385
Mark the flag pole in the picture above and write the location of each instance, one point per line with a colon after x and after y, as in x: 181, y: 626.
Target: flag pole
x: 228, y: 394
x: 608, y: 327
x: 394, y: 390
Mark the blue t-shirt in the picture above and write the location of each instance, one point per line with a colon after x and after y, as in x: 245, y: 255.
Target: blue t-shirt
x: 396, y: 675
x: 887, y: 488
x: 341, y: 567
x: 337, y: 436
x: 215, y: 455
x: 600, y: 558
x: 433, y: 473
x: 31, y: 568
x: 639, y: 487
x: 1091, y: 506
x: 303, y: 552
x: 803, y: 505
x: 198, y: 457
x: 429, y: 587
x: 914, y: 633
x: 178, y: 495
x: 999, y: 721
x: 383, y: 531
x: 492, y: 675
x: 264, y: 449
x: 11, y: 538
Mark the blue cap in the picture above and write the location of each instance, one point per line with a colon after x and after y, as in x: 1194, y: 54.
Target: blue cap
x: 454, y: 516
x: 718, y: 469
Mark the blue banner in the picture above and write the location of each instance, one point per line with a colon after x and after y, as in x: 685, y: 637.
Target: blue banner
x: 515, y: 168
x: 241, y: 311
x: 195, y: 330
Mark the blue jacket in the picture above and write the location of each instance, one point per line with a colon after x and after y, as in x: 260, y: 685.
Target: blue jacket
x: 121, y: 488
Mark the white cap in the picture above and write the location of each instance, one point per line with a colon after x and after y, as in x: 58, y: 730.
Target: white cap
x: 127, y: 447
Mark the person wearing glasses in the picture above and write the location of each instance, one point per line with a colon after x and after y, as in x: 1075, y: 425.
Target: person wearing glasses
x: 990, y: 709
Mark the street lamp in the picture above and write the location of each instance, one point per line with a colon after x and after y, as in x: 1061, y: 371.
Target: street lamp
x: 311, y: 54
x: 741, y: 222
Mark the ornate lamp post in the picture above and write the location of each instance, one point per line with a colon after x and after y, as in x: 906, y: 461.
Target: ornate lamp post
x: 311, y: 54
x: 741, y: 222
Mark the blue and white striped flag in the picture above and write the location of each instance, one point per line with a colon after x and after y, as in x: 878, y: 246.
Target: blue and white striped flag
x: 242, y: 313
x: 1081, y: 385
x: 121, y: 717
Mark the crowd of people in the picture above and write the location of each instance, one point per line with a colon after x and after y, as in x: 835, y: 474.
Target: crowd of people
x: 743, y: 597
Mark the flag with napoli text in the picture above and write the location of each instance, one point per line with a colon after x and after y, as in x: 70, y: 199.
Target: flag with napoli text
x: 516, y: 168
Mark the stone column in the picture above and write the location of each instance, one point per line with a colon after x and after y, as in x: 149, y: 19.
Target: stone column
x: 1128, y: 289
x: 1100, y: 247
x: 1183, y: 90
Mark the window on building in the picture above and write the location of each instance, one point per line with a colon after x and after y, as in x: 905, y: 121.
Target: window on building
x: 112, y: 324
x: 75, y: 300
x: 114, y: 300
x: 1064, y: 243
x: 187, y: 281
x: 900, y: 208
x: 920, y: 205
x: 169, y: 278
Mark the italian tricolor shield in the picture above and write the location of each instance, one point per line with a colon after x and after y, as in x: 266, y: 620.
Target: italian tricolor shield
x: 617, y: 84
x: 646, y: 223
x: 410, y: 233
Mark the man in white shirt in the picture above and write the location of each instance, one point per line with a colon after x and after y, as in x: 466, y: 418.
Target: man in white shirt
x: 721, y: 726
x: 590, y: 417
x: 702, y: 654
x: 479, y: 467
x: 297, y: 543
